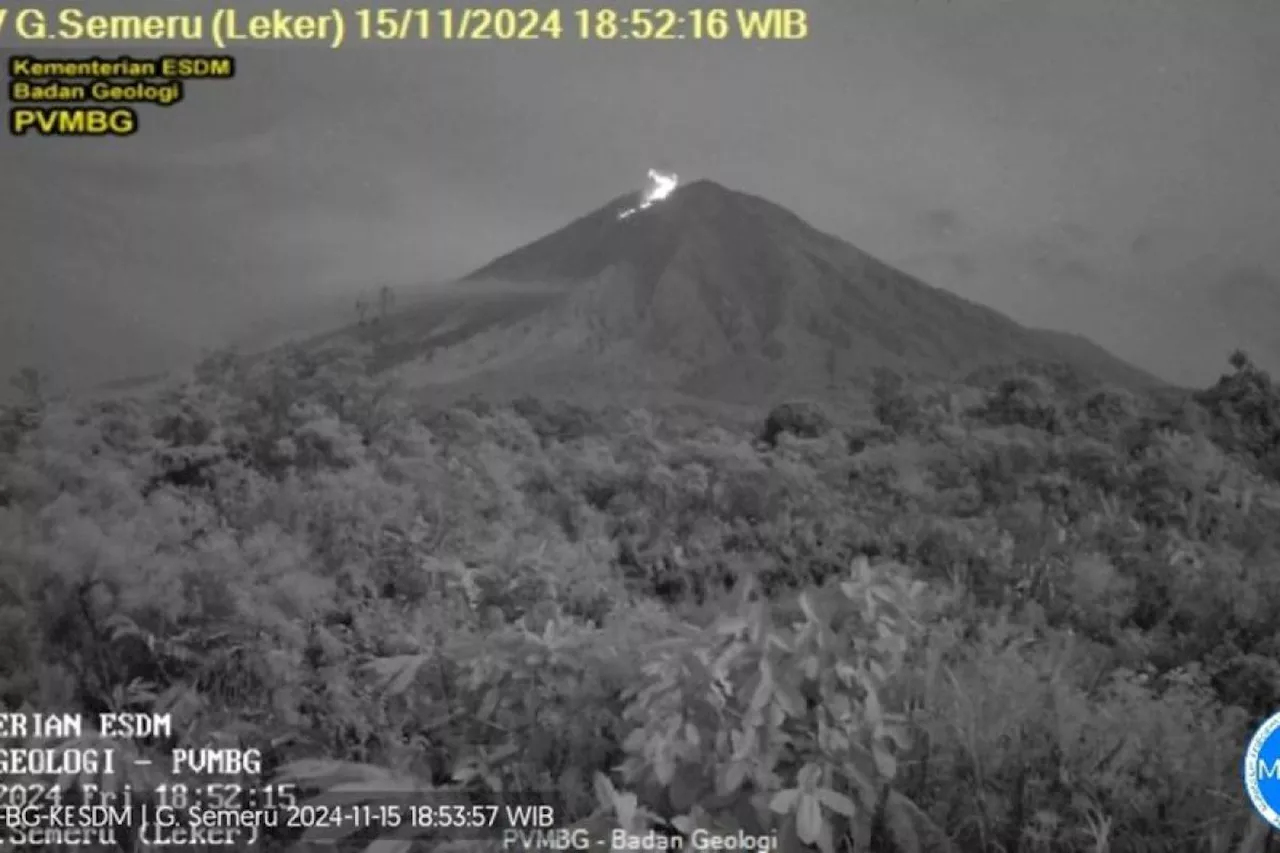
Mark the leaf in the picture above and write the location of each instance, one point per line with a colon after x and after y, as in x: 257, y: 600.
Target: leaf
x: 685, y: 824
x: 784, y: 802
x: 731, y: 626
x: 872, y: 708
x: 877, y: 669
x: 825, y: 842
x: 763, y: 691
x: 489, y: 705
x: 397, y: 673
x: 744, y: 743
x: 806, y: 607
x: 636, y: 741
x: 664, y: 764
x: 807, y: 778
x: 886, y: 764
x: 899, y: 736
x: 686, y: 790
x: 732, y: 777
x: 624, y: 808
x: 846, y: 673
x: 837, y: 802
x: 605, y: 792
x: 788, y: 699
x: 809, y: 819
x: 725, y: 661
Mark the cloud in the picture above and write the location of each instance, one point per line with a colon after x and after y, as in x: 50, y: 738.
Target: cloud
x: 940, y: 223
x: 964, y: 265
x: 1078, y: 233
x: 1250, y: 288
x: 1152, y: 240
x: 1057, y: 267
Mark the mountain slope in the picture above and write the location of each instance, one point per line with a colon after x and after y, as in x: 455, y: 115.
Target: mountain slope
x: 717, y: 292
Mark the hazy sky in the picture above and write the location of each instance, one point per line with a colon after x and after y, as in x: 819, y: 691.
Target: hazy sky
x: 1106, y: 168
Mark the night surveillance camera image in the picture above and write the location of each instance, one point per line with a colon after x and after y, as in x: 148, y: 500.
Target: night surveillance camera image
x: 818, y: 427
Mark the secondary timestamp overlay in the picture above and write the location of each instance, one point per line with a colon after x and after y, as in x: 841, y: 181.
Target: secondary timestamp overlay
x: 98, y: 96
x: 117, y: 781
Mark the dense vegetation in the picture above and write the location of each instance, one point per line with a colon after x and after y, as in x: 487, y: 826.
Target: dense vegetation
x: 1020, y: 613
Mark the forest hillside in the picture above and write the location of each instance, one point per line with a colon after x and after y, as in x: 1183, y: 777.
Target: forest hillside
x: 1021, y: 612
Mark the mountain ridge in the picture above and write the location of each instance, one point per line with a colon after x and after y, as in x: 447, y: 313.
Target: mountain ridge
x: 713, y: 285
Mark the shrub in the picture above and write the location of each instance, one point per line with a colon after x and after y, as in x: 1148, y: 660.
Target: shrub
x: 803, y: 420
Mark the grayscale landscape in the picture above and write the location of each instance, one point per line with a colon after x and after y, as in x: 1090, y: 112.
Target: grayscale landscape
x: 904, y: 476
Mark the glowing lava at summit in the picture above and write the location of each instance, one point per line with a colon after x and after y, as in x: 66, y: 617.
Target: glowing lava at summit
x: 663, y: 185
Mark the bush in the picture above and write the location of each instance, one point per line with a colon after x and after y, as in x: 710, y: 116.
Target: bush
x: 1041, y: 622
x: 803, y: 420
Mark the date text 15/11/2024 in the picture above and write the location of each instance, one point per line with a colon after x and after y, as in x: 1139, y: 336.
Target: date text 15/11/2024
x: 225, y: 27
x: 596, y: 24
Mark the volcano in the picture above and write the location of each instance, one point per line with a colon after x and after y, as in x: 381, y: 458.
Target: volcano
x: 717, y: 292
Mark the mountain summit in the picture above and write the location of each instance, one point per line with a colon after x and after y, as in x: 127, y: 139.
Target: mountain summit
x: 713, y: 290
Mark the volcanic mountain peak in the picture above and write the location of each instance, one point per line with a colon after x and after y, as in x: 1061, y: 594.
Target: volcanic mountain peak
x: 587, y: 246
x: 710, y: 282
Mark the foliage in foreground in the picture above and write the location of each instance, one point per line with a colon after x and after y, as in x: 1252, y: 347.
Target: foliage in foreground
x: 1020, y: 614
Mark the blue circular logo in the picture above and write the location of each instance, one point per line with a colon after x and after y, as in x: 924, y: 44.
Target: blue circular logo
x: 1262, y: 770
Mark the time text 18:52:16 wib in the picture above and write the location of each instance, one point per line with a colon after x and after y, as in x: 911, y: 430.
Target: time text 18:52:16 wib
x: 506, y: 23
